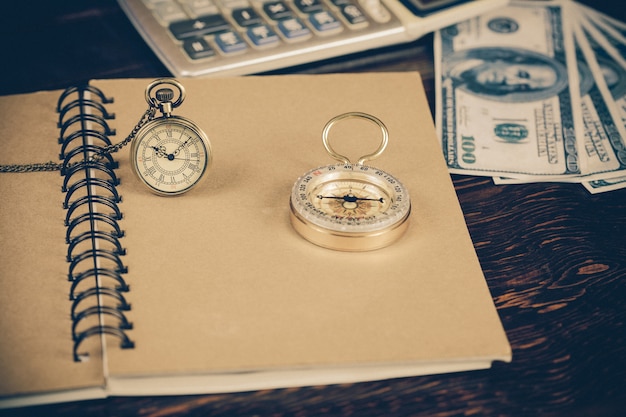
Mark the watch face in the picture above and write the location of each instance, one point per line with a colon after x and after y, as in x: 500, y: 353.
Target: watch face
x: 170, y: 155
x: 349, y: 207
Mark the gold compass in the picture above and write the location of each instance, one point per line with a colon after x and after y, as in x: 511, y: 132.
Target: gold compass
x: 350, y: 207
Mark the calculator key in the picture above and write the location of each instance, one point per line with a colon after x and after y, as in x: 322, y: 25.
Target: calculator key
x: 277, y: 10
x: 234, y: 4
x: 199, y: 27
x: 200, y: 7
x: 230, y: 42
x: 246, y: 16
x: 353, y: 15
x: 293, y: 29
x: 324, y: 22
x: 308, y: 6
x: 376, y: 10
x: 262, y: 36
x: 198, y: 48
x: 169, y: 12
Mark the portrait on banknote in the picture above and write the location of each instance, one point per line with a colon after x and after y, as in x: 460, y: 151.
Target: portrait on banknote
x: 510, y: 75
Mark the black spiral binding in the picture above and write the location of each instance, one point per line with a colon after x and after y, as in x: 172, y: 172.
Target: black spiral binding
x: 96, y: 270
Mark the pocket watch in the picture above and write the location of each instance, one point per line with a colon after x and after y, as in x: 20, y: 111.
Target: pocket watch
x: 169, y: 154
x: 350, y: 206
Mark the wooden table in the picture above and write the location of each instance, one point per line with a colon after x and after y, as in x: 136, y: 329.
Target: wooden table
x: 554, y: 255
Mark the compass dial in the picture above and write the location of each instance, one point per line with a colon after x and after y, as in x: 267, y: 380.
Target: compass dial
x: 351, y: 200
x: 349, y: 207
x: 170, y: 155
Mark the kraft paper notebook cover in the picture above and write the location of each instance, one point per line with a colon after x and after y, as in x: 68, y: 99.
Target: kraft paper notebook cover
x: 223, y: 295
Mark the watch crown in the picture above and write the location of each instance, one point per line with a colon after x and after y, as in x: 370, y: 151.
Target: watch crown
x: 165, y: 94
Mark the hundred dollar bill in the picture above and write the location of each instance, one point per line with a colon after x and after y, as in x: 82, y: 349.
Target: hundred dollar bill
x: 609, y: 37
x: 604, y: 133
x: 604, y: 145
x: 613, y: 77
x: 616, y: 25
x: 608, y: 32
x: 505, y: 106
x: 602, y: 186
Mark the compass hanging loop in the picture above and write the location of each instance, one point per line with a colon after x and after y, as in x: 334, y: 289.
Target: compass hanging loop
x: 162, y: 98
x: 355, y: 115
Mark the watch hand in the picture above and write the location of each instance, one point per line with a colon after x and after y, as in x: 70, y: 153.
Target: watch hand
x: 181, y: 146
x: 160, y: 151
x: 171, y: 157
x: 351, y: 198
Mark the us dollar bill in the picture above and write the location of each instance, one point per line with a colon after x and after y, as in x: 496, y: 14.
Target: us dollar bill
x: 602, y: 186
x: 610, y: 72
x: 504, y: 105
x: 604, y: 132
x: 606, y: 31
x: 614, y: 26
x: 602, y: 81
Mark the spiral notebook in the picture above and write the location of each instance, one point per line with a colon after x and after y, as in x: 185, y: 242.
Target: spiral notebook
x: 213, y: 291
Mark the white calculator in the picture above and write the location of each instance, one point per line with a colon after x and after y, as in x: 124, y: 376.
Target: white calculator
x: 236, y: 37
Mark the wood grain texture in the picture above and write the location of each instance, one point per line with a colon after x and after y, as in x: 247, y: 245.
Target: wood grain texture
x: 554, y: 256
